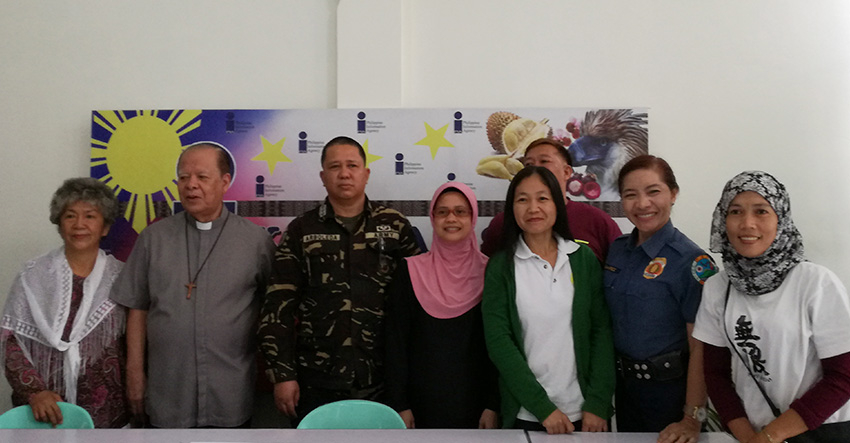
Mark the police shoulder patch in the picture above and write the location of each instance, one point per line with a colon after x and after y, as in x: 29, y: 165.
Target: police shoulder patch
x: 702, y: 268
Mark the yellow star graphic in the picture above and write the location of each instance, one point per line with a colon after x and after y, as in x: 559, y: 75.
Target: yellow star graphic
x: 272, y: 154
x: 435, y: 139
x: 370, y: 157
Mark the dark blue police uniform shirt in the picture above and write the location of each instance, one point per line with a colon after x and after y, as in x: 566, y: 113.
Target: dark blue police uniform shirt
x: 653, y: 291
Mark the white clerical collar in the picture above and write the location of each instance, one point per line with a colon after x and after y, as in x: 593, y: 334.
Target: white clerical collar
x: 203, y: 226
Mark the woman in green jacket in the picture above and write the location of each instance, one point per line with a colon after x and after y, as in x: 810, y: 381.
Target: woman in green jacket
x: 546, y: 324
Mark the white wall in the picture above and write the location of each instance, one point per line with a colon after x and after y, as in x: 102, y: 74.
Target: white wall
x: 731, y: 85
x: 60, y: 60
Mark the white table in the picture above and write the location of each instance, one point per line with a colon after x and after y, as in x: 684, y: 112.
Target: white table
x: 259, y: 436
x: 324, y: 436
x: 619, y: 437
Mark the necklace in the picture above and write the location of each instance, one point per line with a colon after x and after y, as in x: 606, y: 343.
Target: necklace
x: 191, y: 285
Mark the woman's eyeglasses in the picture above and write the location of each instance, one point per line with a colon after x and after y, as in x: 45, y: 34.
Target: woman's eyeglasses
x: 459, y: 212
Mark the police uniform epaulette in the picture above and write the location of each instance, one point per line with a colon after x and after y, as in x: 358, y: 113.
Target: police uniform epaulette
x: 622, y: 238
x: 683, y: 245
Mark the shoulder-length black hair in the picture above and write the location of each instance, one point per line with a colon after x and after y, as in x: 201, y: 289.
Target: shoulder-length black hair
x: 512, y: 230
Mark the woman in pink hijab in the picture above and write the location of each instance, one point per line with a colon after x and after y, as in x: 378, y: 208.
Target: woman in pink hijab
x: 438, y: 371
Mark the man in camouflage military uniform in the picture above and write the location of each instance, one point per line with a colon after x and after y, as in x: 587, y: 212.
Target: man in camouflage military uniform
x: 321, y: 327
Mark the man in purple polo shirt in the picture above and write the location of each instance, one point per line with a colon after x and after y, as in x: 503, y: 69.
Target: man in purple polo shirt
x: 588, y: 224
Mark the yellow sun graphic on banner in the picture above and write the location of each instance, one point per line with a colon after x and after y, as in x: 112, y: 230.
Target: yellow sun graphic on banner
x: 137, y: 152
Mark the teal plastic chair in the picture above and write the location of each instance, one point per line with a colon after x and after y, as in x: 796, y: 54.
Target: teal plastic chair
x: 73, y: 417
x: 352, y: 414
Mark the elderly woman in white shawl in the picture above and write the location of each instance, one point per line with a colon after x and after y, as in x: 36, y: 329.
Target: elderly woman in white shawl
x: 61, y: 338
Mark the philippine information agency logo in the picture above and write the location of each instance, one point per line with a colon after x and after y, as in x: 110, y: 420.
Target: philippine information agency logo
x: 229, y: 123
x: 361, y: 122
x: 261, y: 187
x: 458, y: 122
x: 302, y: 142
x: 399, y: 164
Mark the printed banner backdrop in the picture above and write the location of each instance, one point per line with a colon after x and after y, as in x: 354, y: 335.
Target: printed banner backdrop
x: 276, y: 157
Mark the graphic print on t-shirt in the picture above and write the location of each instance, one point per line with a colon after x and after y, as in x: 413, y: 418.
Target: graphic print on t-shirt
x: 747, y: 341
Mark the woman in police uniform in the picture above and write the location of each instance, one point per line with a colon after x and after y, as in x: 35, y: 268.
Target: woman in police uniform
x: 653, y: 284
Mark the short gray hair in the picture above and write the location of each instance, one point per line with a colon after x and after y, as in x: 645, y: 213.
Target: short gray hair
x: 89, y: 190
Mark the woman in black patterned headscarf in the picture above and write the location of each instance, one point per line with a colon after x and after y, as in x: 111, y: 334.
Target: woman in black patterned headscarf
x: 765, y: 272
x: 784, y: 318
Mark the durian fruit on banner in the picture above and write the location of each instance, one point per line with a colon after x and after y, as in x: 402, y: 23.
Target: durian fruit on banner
x: 510, y: 135
x: 499, y: 166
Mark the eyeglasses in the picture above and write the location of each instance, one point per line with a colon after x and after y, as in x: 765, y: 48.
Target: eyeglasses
x: 459, y: 212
